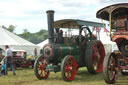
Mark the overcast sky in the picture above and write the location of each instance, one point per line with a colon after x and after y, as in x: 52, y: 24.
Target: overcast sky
x: 31, y: 14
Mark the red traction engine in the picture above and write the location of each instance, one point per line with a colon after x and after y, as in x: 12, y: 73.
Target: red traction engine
x: 116, y: 61
x: 70, y: 52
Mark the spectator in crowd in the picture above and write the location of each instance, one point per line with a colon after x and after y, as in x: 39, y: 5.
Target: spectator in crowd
x: 35, y: 52
x: 2, y: 68
x: 41, y: 51
x: 61, y: 39
x: 1, y: 56
x: 8, y: 60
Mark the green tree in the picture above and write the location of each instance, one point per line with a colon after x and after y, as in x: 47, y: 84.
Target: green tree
x: 35, y: 37
x: 25, y: 34
x: 10, y: 28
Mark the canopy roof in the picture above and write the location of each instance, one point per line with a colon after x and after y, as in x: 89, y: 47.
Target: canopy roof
x: 8, y: 38
x: 75, y: 23
x: 116, y: 9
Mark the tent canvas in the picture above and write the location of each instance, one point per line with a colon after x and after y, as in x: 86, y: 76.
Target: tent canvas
x: 15, y: 42
x: 41, y: 45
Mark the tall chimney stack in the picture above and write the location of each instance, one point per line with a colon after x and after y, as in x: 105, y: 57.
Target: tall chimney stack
x: 50, y: 19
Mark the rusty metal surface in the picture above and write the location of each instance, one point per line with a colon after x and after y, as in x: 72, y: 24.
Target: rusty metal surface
x: 116, y: 9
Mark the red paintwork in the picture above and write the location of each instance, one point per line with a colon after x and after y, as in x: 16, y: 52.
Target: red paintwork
x: 119, y: 36
x: 26, y: 64
x: 120, y: 57
x: 98, y: 56
x: 123, y: 67
x: 70, y: 68
x: 41, y: 69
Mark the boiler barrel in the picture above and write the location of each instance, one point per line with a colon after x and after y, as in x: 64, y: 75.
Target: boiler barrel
x: 56, y: 51
x: 68, y: 50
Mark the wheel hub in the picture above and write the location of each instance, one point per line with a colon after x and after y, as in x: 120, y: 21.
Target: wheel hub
x: 126, y: 48
x: 42, y: 67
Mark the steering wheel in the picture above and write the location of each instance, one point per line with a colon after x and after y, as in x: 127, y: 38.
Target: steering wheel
x: 87, y: 36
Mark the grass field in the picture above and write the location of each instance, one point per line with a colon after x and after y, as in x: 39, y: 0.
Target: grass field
x: 27, y: 77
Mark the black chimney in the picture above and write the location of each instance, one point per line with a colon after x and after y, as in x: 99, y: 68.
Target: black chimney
x: 50, y: 19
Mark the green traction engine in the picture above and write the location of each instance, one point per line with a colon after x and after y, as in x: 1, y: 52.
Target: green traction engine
x: 66, y: 52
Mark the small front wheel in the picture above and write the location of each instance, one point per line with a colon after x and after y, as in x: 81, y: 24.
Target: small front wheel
x: 39, y: 68
x: 109, y: 68
x: 68, y: 68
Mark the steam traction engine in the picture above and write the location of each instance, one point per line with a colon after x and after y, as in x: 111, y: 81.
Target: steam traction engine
x: 116, y: 61
x: 67, y: 54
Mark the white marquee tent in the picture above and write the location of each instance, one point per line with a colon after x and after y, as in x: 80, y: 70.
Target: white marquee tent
x: 15, y: 42
x: 41, y: 45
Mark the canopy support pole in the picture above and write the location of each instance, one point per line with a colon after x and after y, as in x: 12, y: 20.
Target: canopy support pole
x: 110, y: 22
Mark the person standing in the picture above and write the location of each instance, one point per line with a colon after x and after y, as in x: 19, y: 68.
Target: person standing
x: 35, y: 52
x: 2, y: 68
x: 41, y: 51
x: 8, y: 60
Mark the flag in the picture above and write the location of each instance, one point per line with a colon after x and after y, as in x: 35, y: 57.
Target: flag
x: 96, y: 28
x: 106, y: 30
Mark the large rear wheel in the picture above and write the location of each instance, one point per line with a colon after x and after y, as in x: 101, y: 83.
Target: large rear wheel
x: 39, y: 68
x: 68, y: 68
x: 124, y: 47
x: 94, y: 56
x: 109, y: 68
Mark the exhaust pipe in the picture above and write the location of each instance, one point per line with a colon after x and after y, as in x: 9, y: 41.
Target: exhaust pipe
x: 50, y: 19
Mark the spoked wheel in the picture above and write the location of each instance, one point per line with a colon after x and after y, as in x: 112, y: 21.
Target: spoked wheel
x: 109, y: 68
x: 124, y: 47
x: 94, y: 56
x: 68, y: 68
x: 39, y: 68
